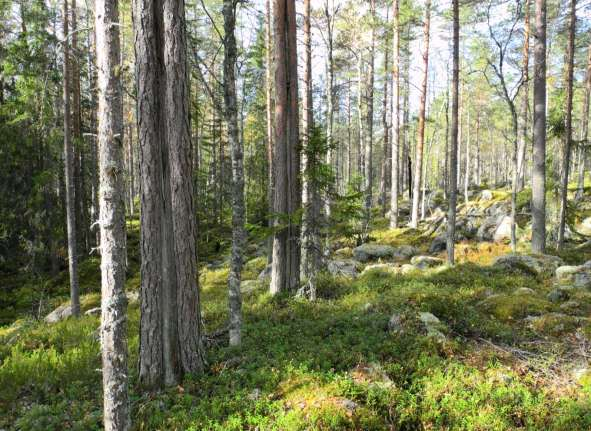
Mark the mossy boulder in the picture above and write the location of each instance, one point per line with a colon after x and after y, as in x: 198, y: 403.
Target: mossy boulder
x: 555, y: 324
x: 367, y: 252
x: 538, y: 264
x: 423, y: 262
x: 574, y: 276
x: 513, y: 307
x: 383, y: 267
x: 342, y: 268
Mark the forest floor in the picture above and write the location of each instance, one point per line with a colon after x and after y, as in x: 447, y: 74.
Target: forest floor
x: 475, y: 347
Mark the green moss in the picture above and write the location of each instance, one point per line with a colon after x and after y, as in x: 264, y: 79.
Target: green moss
x: 513, y: 307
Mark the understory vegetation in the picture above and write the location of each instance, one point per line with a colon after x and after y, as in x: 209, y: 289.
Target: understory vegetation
x: 503, y: 357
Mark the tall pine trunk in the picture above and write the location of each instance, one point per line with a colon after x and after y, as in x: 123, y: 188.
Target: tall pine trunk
x: 69, y: 174
x: 394, y: 153
x: 368, y: 151
x: 112, y: 219
x: 568, y: 132
x: 421, y: 126
x: 585, y: 127
x: 310, y: 238
x: 285, y: 269
x: 238, y: 232
x: 522, y: 140
x: 453, y: 184
x: 538, y: 243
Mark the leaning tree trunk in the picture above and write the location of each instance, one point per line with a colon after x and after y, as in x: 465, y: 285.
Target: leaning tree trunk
x: 69, y: 176
x: 421, y: 126
x: 394, y: 153
x: 568, y: 123
x: 584, y: 128
x: 538, y: 243
x: 112, y: 219
x: 238, y: 232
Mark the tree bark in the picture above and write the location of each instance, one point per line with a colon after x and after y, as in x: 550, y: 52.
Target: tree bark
x: 522, y: 140
x: 238, y: 232
x: 421, y: 126
x: 69, y: 175
x: 368, y: 152
x: 285, y: 270
x: 395, y: 180
x: 329, y: 96
x: 112, y: 219
x: 310, y: 238
x: 386, y: 159
x: 538, y: 243
x: 182, y: 205
x: 170, y: 323
x: 566, y: 155
x: 269, y: 111
x: 585, y: 127
x: 453, y: 184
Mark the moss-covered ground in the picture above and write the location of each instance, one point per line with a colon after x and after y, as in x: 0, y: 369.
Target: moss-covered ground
x: 508, y: 361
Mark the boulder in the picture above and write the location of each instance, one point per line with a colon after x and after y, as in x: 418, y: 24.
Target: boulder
x: 487, y: 229
x: 265, y: 273
x: 557, y: 295
x: 524, y: 291
x: 584, y: 227
x: 574, y: 276
x: 367, y: 252
x: 404, y: 252
x: 541, y: 264
x: 342, y: 268
x: 570, y: 306
x: 486, y: 195
x: 407, y: 268
x: 432, y: 325
x: 60, y: 313
x: 423, y: 262
x: 343, y: 252
x: 385, y: 267
x: 248, y: 286
x: 439, y: 244
x: 93, y: 311
x: 423, y: 321
x: 503, y: 229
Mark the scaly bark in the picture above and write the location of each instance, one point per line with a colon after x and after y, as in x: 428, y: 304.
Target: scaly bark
x: 568, y: 132
x: 453, y: 184
x: 69, y: 174
x: 238, y: 232
x: 421, y: 126
x: 112, y: 219
x: 285, y: 269
x: 538, y: 243
x: 585, y: 127
x: 395, y: 181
